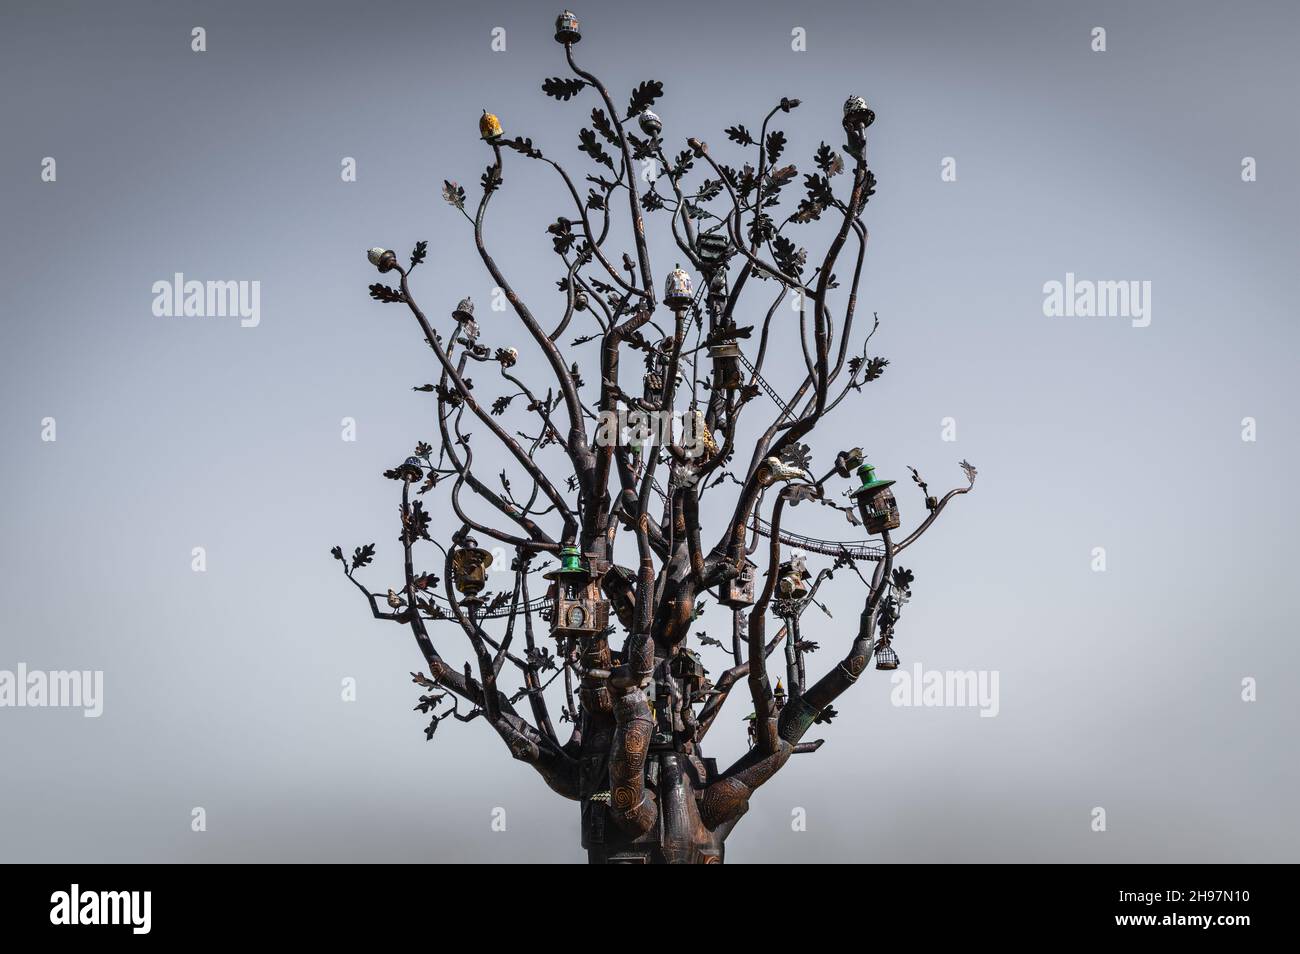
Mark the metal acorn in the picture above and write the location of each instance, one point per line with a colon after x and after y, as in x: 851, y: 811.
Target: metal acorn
x: 567, y: 28
x: 649, y: 123
x: 489, y: 127
x: 384, y: 259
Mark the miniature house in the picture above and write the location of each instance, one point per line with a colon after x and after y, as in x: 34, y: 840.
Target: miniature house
x: 876, y: 503
x: 687, y: 666
x: 578, y: 607
x: 739, y: 592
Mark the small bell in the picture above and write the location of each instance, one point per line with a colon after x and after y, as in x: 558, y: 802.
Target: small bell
x: 580, y: 300
x: 384, y: 259
x: 489, y: 127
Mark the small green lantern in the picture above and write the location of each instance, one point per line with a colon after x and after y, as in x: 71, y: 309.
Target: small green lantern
x: 579, y: 608
x: 876, y: 503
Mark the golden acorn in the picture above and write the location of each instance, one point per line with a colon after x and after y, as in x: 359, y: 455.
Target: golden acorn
x: 489, y: 127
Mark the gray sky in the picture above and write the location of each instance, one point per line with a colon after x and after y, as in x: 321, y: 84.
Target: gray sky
x: 1118, y: 689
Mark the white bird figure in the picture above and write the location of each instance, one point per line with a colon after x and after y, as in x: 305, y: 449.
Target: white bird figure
x: 774, y: 469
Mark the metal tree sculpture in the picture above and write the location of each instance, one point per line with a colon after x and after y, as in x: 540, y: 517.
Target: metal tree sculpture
x: 641, y: 706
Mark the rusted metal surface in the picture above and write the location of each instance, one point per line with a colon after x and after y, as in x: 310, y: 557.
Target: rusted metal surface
x: 616, y: 634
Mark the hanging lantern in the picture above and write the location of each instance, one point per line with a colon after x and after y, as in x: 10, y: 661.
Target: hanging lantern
x: 712, y: 248
x: 650, y: 124
x: 469, y: 566
x: 567, y: 28
x: 886, y: 658
x: 726, y: 365
x: 739, y: 592
x: 778, y: 696
x: 384, y: 259
x: 412, y: 469
x: 792, y: 579
x: 580, y: 300
x: 876, y: 503
x: 489, y: 127
x: 678, y: 294
x: 464, y: 315
x: 857, y: 112
x: 579, y: 608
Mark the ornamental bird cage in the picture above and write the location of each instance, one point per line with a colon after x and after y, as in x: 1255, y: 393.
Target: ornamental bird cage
x: 739, y: 592
x: 469, y: 566
x: 876, y: 503
x: 886, y: 658
x: 578, y: 606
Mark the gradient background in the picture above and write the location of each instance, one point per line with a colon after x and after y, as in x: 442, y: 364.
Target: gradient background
x: 222, y: 689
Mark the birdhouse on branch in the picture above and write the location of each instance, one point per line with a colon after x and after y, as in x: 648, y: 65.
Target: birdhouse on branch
x: 739, y: 592
x: 876, y: 503
x: 578, y: 606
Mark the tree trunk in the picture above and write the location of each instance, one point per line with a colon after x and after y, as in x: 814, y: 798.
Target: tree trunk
x: 678, y: 836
